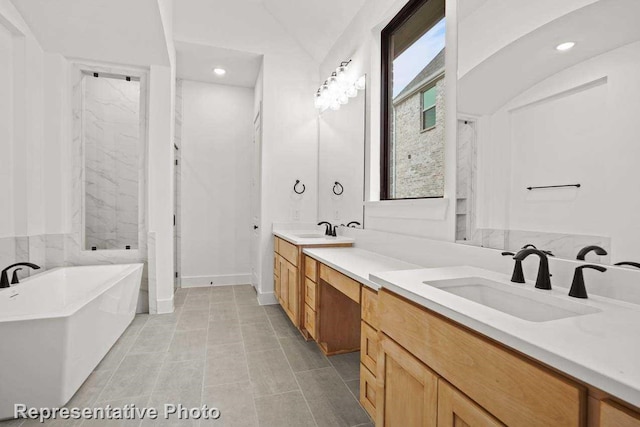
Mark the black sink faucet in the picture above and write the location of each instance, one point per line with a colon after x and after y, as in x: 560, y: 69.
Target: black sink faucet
x: 593, y: 248
x: 543, y: 281
x: 4, y: 278
x: 577, y: 286
x: 518, y: 274
x: 628, y: 263
x: 329, y: 230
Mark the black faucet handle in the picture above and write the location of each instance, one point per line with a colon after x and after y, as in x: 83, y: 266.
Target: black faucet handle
x: 14, y: 279
x: 627, y: 263
x: 592, y: 248
x: 578, y: 290
x: 529, y: 246
x: 507, y: 253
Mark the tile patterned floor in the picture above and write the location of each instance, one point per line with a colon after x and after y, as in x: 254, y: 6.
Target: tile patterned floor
x: 222, y: 349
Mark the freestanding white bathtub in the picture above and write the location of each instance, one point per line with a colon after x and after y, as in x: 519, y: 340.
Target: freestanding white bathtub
x: 56, y: 327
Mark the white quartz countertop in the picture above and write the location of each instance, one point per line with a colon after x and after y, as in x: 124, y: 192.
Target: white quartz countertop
x: 358, y: 263
x: 601, y: 349
x: 302, y: 238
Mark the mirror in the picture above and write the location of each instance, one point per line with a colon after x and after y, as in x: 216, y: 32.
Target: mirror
x: 341, y: 163
x: 111, y: 136
x: 548, y: 105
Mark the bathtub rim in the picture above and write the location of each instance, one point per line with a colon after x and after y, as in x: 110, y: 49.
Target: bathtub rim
x: 71, y: 309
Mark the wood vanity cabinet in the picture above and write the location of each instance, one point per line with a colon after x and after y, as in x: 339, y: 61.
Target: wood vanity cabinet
x: 457, y: 410
x: 295, y: 284
x: 479, y: 381
x: 407, y: 389
x: 614, y: 415
x: 369, y: 350
x: 286, y: 279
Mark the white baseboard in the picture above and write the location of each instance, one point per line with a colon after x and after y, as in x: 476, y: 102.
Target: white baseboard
x: 164, y: 306
x: 267, y: 298
x: 219, y: 280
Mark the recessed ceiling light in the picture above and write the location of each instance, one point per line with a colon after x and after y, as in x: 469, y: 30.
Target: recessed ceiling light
x: 219, y: 71
x: 565, y: 46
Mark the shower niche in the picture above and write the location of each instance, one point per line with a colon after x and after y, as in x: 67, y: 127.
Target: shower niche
x: 113, y: 135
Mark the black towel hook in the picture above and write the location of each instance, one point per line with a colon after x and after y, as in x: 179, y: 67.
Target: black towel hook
x: 295, y: 189
x: 341, y: 189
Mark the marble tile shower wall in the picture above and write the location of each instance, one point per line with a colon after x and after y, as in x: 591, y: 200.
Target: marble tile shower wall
x: 111, y: 123
x: 561, y: 245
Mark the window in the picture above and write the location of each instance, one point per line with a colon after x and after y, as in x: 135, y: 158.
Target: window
x: 413, y: 57
x: 429, y: 108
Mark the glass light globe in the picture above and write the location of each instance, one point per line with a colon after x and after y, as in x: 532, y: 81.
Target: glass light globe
x: 335, y: 105
x: 343, y: 99
x: 352, y: 92
x: 361, y: 83
x: 341, y: 74
x: 333, y: 85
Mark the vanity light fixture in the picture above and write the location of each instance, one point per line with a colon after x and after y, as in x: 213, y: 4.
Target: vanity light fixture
x: 338, y: 88
x: 562, y: 47
x: 219, y: 71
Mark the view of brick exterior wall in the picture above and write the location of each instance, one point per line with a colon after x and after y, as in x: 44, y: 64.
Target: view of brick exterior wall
x: 418, y: 156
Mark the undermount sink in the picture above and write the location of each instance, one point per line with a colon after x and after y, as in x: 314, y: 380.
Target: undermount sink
x: 527, y: 304
x: 310, y: 236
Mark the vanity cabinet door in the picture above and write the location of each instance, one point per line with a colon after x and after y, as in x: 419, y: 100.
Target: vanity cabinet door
x: 289, y: 291
x: 284, y: 284
x: 612, y: 415
x: 457, y: 410
x: 407, y: 392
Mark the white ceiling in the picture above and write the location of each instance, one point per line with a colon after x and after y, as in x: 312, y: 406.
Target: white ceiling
x: 597, y: 28
x: 120, y: 31
x: 316, y: 25
x: 196, y: 61
x: 265, y: 26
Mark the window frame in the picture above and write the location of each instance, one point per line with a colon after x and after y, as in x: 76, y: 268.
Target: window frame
x: 434, y: 106
x: 386, y: 98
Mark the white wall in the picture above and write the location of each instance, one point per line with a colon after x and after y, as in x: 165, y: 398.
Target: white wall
x: 6, y: 131
x: 289, y: 120
x: 589, y: 137
x: 361, y: 43
x: 341, y: 158
x: 22, y: 124
x: 217, y: 149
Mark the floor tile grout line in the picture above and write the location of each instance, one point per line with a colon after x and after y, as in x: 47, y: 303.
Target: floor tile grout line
x: 315, y: 421
x: 206, y: 354
x: 166, y: 357
x: 97, y: 399
x: 246, y: 359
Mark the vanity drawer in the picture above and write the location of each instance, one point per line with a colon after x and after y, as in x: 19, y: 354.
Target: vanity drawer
x: 369, y: 347
x: 513, y: 389
x: 368, y: 388
x: 310, y: 321
x: 310, y: 293
x: 311, y: 268
x: 370, y: 307
x: 288, y: 252
x: 344, y: 284
x: 612, y: 415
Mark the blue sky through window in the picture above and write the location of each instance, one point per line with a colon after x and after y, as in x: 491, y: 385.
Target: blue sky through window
x: 413, y: 60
